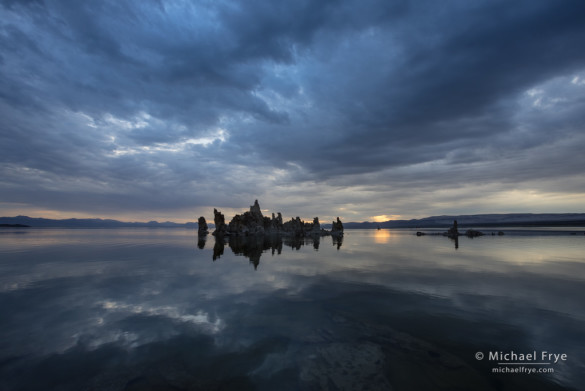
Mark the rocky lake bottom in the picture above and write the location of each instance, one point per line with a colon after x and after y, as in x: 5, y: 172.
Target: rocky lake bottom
x: 160, y: 309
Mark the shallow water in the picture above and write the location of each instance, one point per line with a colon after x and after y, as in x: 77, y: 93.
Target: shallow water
x: 135, y: 309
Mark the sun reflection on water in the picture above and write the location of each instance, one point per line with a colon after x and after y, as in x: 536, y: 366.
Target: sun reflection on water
x: 382, y: 236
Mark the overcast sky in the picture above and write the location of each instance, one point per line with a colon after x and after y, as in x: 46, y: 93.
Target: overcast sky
x: 363, y: 109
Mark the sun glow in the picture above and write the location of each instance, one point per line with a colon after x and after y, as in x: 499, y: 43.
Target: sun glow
x: 382, y: 218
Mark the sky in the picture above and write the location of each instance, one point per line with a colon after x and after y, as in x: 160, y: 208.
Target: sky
x: 367, y: 110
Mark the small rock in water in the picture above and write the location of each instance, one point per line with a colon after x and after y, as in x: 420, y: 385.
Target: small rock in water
x: 203, y: 229
x: 453, y: 232
x: 471, y: 233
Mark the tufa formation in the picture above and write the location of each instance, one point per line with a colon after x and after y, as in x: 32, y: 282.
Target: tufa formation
x: 203, y: 229
x: 253, y: 223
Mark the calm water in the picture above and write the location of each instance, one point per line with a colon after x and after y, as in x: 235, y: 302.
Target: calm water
x: 154, y: 309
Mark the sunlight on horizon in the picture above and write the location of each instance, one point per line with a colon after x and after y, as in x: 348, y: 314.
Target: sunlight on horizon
x: 382, y: 218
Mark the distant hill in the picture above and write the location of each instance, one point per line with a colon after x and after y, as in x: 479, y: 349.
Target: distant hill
x: 86, y: 223
x: 480, y: 220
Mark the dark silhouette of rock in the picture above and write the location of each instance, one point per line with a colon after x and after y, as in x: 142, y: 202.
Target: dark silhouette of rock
x: 276, y: 223
x: 316, y: 229
x: 203, y: 229
x: 299, y: 228
x: 337, y: 228
x: 453, y: 232
x: 253, y: 223
x: 249, y: 223
x: 500, y: 233
x: 255, y: 210
x: 471, y: 233
x: 220, y: 226
x: 294, y: 227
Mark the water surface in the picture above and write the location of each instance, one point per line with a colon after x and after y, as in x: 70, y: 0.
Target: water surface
x: 134, y: 309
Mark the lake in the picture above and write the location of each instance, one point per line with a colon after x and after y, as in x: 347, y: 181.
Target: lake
x: 158, y: 309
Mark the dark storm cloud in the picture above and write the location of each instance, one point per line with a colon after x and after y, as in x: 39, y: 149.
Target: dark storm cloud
x: 455, y: 79
x: 160, y: 105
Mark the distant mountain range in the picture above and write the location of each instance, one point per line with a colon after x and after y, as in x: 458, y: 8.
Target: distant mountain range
x: 481, y: 220
x: 86, y: 223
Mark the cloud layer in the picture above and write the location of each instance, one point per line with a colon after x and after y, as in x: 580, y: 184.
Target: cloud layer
x: 167, y: 109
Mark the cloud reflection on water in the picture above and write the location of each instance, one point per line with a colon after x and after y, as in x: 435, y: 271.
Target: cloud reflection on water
x: 162, y: 296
